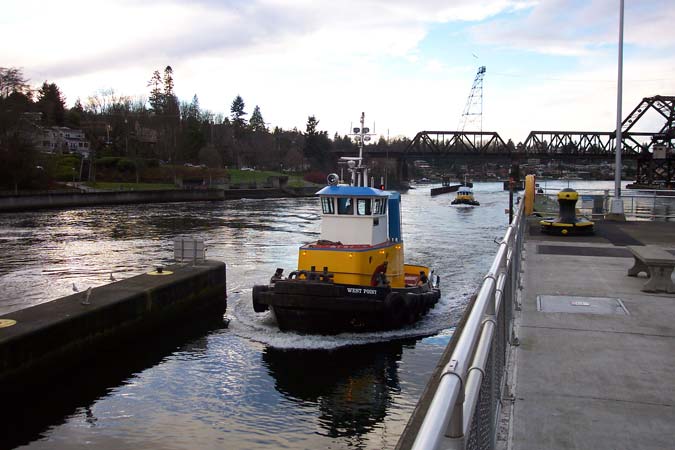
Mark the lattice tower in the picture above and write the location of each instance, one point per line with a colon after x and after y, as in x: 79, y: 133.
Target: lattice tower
x: 473, y: 111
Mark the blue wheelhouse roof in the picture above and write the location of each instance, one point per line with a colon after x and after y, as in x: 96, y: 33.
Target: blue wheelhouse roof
x: 352, y: 191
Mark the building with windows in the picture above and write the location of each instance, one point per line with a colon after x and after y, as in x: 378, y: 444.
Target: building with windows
x: 61, y: 140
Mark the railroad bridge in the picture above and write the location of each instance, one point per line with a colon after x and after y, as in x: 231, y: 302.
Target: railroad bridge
x: 567, y: 146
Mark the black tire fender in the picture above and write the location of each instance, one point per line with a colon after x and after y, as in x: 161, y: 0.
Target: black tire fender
x: 257, y: 306
x: 414, y: 302
x: 395, y: 309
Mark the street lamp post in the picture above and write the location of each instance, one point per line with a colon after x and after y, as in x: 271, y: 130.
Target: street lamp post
x: 617, y: 203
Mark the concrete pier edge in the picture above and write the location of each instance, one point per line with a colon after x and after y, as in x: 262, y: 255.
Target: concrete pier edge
x: 51, y: 338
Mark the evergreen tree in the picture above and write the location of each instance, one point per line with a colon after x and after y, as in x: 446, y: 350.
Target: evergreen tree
x: 237, y: 110
x: 11, y: 109
x: 78, y: 106
x: 168, y: 81
x: 19, y: 159
x: 193, y: 109
x: 237, y: 113
x: 74, y: 115
x: 156, y: 97
x: 317, y: 144
x: 312, y: 123
x: 171, y: 107
x: 51, y: 104
x: 257, y: 123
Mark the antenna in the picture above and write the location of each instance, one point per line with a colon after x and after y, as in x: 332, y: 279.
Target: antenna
x: 355, y: 165
x: 473, y: 111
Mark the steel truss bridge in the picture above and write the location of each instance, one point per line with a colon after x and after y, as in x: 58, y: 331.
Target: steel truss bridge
x: 556, y: 144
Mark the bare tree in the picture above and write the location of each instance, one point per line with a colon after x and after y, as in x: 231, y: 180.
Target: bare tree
x: 12, y: 80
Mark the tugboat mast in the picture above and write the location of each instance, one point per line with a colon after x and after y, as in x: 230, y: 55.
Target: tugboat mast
x: 358, y: 170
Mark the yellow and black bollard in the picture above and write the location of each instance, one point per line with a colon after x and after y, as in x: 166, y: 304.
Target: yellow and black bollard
x: 567, y: 222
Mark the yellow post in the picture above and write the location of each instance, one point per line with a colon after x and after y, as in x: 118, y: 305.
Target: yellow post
x: 529, y: 194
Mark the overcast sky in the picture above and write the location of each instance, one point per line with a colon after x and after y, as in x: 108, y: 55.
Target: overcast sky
x: 550, y: 64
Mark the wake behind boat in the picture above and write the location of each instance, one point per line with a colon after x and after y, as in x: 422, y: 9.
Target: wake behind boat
x: 354, y: 277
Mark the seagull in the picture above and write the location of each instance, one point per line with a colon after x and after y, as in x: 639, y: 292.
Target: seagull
x: 75, y: 289
x: 112, y: 278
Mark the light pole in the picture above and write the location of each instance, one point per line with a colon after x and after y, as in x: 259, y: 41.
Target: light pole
x: 617, y: 203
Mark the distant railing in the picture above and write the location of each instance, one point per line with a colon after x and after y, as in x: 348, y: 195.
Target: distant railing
x: 464, y: 411
x: 638, y: 205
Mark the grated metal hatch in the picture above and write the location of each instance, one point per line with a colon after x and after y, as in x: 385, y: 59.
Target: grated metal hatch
x: 583, y: 305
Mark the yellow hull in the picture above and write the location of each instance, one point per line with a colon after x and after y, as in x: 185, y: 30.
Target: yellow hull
x: 356, y: 266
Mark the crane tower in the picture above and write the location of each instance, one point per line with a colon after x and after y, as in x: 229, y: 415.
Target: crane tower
x: 473, y: 111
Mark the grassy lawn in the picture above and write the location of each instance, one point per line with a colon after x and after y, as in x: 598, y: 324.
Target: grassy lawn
x: 260, y: 176
x: 119, y: 186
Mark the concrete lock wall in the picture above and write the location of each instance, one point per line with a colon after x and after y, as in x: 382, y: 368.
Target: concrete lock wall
x: 60, y: 200
x: 52, y: 337
x: 65, y: 200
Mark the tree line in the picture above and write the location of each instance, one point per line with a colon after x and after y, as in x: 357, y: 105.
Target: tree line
x: 161, y: 127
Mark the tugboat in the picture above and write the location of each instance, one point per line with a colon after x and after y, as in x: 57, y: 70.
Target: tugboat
x: 465, y: 197
x: 354, y: 277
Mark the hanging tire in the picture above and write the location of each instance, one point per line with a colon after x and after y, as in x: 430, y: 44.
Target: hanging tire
x: 395, y: 310
x: 413, y: 304
x: 257, y: 306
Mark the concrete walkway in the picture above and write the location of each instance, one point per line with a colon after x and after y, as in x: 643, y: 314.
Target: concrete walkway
x: 595, y: 368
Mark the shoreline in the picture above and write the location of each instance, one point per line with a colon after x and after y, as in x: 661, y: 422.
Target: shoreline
x: 27, y: 202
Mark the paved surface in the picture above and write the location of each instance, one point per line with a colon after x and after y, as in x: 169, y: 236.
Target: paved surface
x: 592, y: 378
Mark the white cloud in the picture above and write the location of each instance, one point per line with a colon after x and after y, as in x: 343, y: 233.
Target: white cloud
x: 584, y: 101
x: 333, y: 59
x: 580, y: 27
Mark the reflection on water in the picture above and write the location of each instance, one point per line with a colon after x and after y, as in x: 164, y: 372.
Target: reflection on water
x: 351, y: 385
x: 247, y: 385
x: 50, y: 402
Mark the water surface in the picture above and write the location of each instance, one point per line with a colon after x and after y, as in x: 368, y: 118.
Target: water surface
x: 238, y: 383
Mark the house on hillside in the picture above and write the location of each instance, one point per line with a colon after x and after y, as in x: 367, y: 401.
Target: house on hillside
x: 61, y: 140
x: 53, y: 139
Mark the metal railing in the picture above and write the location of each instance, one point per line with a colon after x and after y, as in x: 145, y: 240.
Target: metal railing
x: 638, y: 205
x: 464, y: 411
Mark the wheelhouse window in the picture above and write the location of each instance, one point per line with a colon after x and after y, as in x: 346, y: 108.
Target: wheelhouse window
x: 363, y: 207
x: 328, y: 205
x: 345, y: 205
x: 379, y: 206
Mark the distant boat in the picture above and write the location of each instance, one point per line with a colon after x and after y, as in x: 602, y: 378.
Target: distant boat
x: 465, y: 197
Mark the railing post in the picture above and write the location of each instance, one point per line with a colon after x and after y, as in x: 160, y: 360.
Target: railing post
x: 456, y: 426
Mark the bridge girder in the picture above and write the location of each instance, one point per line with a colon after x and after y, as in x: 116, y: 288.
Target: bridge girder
x: 584, y: 143
x: 548, y: 144
x: 456, y: 142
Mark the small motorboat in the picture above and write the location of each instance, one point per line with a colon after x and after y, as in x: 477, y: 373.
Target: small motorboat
x: 465, y: 197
